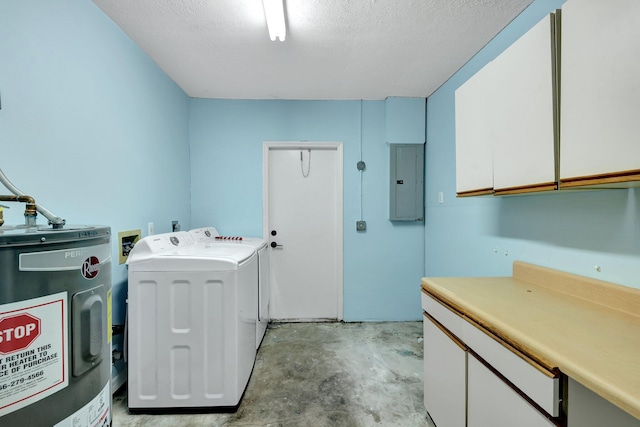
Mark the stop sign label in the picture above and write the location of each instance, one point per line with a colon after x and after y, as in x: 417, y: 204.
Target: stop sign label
x: 18, y: 332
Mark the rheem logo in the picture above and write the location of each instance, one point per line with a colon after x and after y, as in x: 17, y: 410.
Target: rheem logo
x: 90, y: 267
x: 18, y: 332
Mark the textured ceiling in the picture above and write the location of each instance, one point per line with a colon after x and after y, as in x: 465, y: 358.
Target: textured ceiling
x: 334, y: 49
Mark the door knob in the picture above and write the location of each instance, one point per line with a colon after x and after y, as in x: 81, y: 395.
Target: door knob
x: 275, y: 245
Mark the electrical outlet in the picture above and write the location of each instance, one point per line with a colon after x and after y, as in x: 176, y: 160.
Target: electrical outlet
x: 440, y: 197
x: 150, y: 229
x: 175, y: 226
x: 361, y: 225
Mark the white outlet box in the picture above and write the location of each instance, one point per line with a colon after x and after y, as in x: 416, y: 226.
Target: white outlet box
x: 440, y: 197
x: 150, y: 228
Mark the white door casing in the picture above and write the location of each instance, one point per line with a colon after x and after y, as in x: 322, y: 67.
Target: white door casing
x: 302, y: 202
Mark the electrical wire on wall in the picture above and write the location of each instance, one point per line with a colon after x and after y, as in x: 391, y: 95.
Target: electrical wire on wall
x: 359, y: 168
x: 361, y: 225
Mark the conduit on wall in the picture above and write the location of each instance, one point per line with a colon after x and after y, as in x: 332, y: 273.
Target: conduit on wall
x: 361, y: 225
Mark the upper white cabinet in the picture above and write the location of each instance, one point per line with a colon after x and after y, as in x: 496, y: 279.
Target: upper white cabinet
x: 600, y: 109
x: 524, y: 102
x: 506, y: 137
x: 474, y: 127
x: 531, y: 123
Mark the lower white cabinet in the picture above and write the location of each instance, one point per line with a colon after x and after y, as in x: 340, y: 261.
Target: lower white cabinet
x: 492, y: 403
x: 471, y: 380
x: 587, y: 409
x: 445, y: 361
x: 542, y: 388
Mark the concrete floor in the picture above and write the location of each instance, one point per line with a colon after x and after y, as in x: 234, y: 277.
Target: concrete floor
x: 321, y: 374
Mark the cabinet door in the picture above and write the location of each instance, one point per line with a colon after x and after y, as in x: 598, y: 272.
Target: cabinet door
x: 600, y: 92
x: 492, y: 403
x: 539, y: 384
x: 444, y: 377
x: 474, y: 127
x: 524, y: 108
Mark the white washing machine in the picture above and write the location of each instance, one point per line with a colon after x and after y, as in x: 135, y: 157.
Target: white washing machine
x: 209, y: 235
x: 192, y: 316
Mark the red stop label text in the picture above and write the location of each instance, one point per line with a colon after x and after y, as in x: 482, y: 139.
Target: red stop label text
x: 18, y: 332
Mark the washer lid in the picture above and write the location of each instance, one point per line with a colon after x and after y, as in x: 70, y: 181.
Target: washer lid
x: 255, y: 242
x: 186, y: 264
x: 238, y: 253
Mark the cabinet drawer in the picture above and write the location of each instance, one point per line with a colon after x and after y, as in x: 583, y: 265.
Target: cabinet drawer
x: 443, y: 315
x: 543, y: 388
x: 491, y: 402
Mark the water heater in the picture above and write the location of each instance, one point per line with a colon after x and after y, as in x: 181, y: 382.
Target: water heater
x: 54, y: 347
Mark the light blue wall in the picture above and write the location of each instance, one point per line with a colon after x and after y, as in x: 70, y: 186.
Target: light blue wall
x: 403, y: 115
x: 89, y: 125
x: 482, y: 236
x: 382, y: 266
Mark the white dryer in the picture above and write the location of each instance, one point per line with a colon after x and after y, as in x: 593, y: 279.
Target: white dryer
x: 192, y: 315
x: 209, y: 235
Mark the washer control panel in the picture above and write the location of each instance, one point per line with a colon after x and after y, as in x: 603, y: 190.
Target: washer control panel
x: 159, y: 243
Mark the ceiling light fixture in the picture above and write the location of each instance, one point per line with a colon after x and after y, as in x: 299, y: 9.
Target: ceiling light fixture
x: 274, y: 12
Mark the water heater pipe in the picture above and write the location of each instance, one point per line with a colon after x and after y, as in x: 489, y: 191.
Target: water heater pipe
x: 29, y: 210
x: 54, y: 220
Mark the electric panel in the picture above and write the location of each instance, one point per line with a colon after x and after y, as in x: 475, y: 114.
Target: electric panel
x: 406, y: 202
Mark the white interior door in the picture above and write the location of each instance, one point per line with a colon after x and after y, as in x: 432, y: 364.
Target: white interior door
x: 303, y: 216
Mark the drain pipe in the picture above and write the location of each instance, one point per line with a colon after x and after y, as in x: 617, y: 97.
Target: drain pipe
x: 32, y: 207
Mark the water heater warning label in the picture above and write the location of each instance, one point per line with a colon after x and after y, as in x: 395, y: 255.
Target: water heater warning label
x: 33, y: 345
x: 96, y: 413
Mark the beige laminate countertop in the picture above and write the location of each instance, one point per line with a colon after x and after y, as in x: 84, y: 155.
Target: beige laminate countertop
x: 588, y: 329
